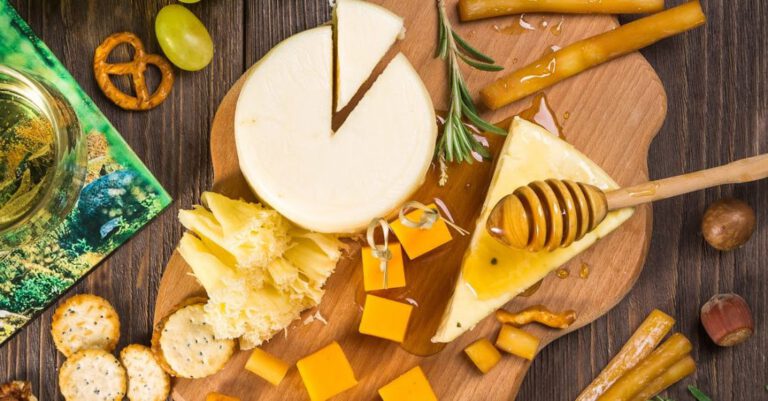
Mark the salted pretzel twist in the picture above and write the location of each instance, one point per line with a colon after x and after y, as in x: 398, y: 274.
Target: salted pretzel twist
x: 135, y: 68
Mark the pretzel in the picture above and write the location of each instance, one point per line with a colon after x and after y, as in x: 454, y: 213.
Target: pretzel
x: 136, y: 69
x: 538, y: 314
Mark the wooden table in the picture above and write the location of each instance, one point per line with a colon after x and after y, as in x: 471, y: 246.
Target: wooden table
x: 717, y: 82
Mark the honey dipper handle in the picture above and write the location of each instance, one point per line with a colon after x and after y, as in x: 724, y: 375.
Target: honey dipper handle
x: 744, y: 170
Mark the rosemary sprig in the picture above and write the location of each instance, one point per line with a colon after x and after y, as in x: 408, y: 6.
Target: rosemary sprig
x: 457, y: 142
x: 698, y: 394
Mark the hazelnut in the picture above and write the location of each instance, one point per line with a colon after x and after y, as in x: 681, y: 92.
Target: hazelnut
x: 728, y: 224
x: 727, y: 319
x: 16, y: 391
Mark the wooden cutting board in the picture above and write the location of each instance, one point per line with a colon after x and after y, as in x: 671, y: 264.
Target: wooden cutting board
x: 610, y: 113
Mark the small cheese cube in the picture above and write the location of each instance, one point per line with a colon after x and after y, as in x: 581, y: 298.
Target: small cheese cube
x: 517, y: 342
x: 483, y: 354
x: 267, y: 366
x: 373, y: 277
x: 417, y: 241
x: 220, y: 397
x: 385, y: 318
x: 326, y: 372
x: 411, y: 386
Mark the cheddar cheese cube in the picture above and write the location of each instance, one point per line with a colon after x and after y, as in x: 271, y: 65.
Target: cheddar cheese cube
x: 267, y: 366
x: 220, y: 397
x: 517, y: 342
x: 483, y: 354
x: 411, y: 386
x: 326, y: 372
x: 385, y: 318
x: 373, y: 277
x: 418, y: 241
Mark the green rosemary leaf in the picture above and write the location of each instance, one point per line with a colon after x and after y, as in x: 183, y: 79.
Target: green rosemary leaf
x: 698, y: 394
x: 466, y: 98
x: 474, y: 53
x: 480, y: 149
x: 484, y: 125
x: 480, y: 65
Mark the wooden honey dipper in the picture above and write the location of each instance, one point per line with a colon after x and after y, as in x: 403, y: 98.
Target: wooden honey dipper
x: 554, y: 213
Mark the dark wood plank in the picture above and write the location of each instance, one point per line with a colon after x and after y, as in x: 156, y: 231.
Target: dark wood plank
x: 718, y: 111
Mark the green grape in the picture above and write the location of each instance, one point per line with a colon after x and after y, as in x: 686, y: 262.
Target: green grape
x: 189, y: 1
x: 183, y: 38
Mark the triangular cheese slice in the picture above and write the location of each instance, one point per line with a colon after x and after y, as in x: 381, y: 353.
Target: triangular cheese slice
x: 492, y: 274
x: 364, y: 34
x: 323, y: 181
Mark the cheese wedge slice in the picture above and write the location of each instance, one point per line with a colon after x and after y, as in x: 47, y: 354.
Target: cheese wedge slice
x: 492, y: 274
x: 324, y: 181
x: 364, y: 34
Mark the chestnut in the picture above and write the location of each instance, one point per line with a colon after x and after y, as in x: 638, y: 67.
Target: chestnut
x: 728, y: 224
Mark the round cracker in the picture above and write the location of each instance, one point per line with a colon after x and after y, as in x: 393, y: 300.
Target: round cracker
x: 147, y: 381
x: 85, y: 321
x: 185, y: 345
x: 92, y: 375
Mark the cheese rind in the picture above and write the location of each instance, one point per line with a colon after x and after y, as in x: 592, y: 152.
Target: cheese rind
x: 492, y: 274
x: 364, y: 33
x: 323, y: 181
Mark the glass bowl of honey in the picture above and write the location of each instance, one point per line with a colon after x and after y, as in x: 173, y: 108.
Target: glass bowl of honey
x: 42, y: 158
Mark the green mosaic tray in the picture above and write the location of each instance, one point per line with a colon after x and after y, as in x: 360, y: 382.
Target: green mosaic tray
x: 120, y: 194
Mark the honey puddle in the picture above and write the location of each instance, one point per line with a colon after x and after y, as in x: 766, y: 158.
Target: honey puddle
x: 540, y: 113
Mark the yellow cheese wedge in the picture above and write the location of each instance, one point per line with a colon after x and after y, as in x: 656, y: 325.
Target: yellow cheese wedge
x: 411, y: 386
x: 373, y: 277
x: 385, y: 318
x: 326, y: 372
x: 364, y: 33
x: 418, y: 241
x: 492, y: 274
x: 267, y: 366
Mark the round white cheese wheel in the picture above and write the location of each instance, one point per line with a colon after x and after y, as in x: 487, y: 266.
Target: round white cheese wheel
x: 324, y: 181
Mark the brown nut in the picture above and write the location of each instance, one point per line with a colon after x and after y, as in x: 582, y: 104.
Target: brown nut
x: 728, y: 224
x: 17, y: 391
x: 727, y: 319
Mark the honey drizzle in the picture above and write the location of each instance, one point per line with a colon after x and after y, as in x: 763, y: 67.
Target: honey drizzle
x: 531, y: 23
